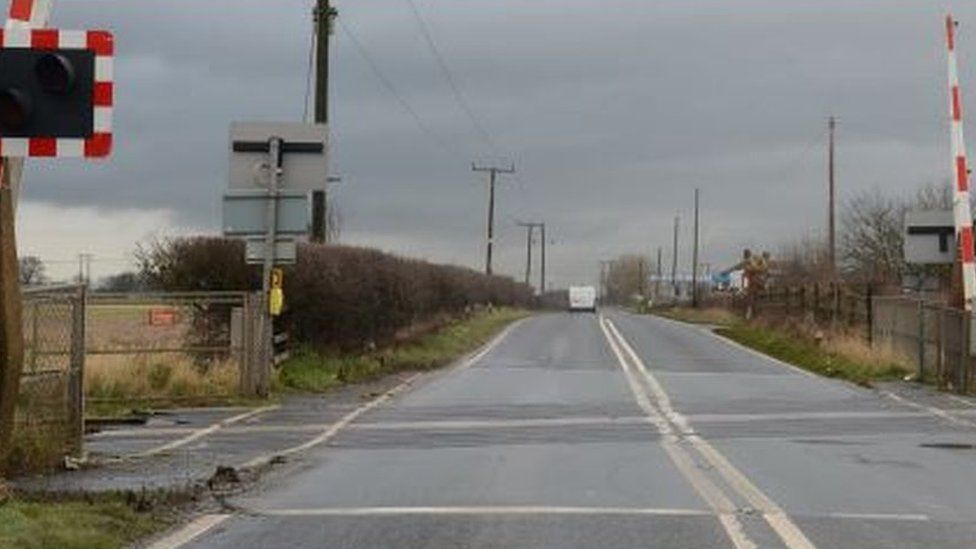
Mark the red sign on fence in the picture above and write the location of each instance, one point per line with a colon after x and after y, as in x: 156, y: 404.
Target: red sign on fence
x: 163, y: 316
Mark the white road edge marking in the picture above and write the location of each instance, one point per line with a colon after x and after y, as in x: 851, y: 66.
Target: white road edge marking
x: 332, y: 430
x: 786, y: 529
x: 898, y: 398
x: 190, y: 532
x: 939, y: 412
x: 711, y: 494
x: 964, y: 401
x: 880, y: 516
x: 200, y: 433
x: 742, y: 347
x: 478, y: 510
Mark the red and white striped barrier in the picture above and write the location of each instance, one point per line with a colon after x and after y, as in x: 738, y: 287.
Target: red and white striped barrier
x: 32, y: 14
x: 99, y: 144
x: 961, y: 209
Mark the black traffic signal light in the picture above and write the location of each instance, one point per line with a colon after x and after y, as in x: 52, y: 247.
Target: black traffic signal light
x: 47, y: 93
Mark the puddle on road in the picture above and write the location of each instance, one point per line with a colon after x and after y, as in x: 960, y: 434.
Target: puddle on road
x: 828, y: 442
x: 950, y: 445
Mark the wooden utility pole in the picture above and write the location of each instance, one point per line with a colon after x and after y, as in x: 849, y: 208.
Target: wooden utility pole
x: 694, y: 259
x: 674, y: 258
x: 831, y: 196
x: 529, y: 229
x: 323, y: 14
x: 11, y: 313
x: 660, y: 273
x: 11, y: 321
x: 542, y: 281
x: 605, y: 279
x: 493, y: 175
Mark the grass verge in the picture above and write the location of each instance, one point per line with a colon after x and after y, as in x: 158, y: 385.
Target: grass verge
x: 176, y: 379
x: 94, y: 522
x: 841, y: 356
x: 316, y: 372
x: 715, y: 316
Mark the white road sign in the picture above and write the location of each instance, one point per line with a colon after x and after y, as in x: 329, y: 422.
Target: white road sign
x: 304, y: 156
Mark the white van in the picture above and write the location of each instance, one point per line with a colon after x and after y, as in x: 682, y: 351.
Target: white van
x: 582, y: 298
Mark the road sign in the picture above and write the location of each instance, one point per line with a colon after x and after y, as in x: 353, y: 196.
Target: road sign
x: 930, y: 237
x: 304, y: 159
x: 285, y: 253
x: 246, y: 213
x: 56, y: 93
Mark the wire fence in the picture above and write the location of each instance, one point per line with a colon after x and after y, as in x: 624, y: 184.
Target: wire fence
x: 933, y: 339
x: 49, y: 419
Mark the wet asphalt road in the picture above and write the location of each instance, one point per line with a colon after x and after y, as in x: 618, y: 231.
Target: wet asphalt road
x: 575, y: 431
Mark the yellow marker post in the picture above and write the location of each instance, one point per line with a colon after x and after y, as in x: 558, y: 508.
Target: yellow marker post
x: 276, y: 296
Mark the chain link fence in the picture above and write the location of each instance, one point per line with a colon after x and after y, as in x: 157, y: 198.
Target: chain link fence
x: 49, y: 419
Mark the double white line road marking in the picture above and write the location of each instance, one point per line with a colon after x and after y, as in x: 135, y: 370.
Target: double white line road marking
x: 675, y: 429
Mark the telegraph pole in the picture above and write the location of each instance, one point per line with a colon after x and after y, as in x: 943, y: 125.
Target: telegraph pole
x: 84, y: 268
x: 323, y: 14
x: 529, y: 229
x: 493, y: 175
x: 11, y: 313
x: 831, y: 219
x: 694, y: 264
x: 542, y: 282
x: 605, y: 279
x: 660, y: 273
x: 11, y: 322
x: 674, y: 258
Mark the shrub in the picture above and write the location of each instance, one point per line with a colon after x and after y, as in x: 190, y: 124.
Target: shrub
x: 336, y: 296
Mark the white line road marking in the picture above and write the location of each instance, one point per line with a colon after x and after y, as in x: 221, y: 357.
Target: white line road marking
x: 190, y: 532
x: 405, y: 425
x: 964, y: 401
x: 711, y: 494
x: 434, y: 425
x: 930, y: 409
x: 500, y: 423
x: 200, y: 433
x: 791, y: 535
x: 478, y: 510
x: 742, y: 347
x: 332, y: 430
x: 490, y: 346
x: 803, y: 416
x: 542, y: 510
x: 880, y: 516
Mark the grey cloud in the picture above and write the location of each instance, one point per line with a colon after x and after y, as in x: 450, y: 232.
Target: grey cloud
x: 613, y: 110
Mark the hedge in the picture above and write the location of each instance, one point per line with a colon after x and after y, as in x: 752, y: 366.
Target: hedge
x: 337, y: 296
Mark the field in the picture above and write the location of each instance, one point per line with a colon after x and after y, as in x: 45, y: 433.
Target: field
x: 133, y: 363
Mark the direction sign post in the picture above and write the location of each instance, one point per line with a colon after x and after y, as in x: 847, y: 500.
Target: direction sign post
x: 273, y: 167
x: 267, y: 322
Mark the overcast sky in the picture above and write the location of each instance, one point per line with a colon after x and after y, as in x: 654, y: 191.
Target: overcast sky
x: 613, y: 112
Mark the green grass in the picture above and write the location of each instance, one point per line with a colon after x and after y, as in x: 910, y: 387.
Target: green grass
x: 714, y: 316
x: 100, y: 522
x: 842, y: 358
x: 309, y: 371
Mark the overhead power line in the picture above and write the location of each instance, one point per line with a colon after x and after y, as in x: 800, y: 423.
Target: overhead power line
x: 404, y: 104
x: 449, y: 78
